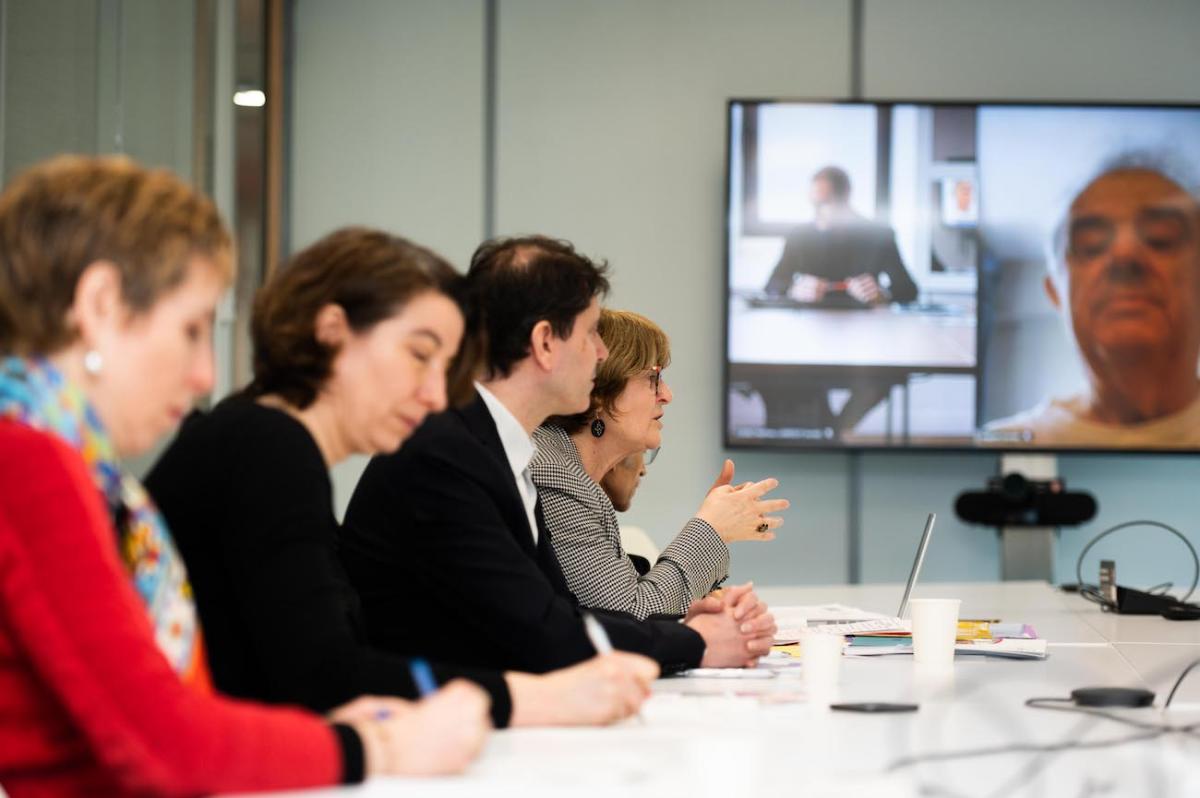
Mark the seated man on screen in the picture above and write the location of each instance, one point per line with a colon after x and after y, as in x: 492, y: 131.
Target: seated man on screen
x: 841, y: 258
x: 1125, y: 273
x: 475, y: 574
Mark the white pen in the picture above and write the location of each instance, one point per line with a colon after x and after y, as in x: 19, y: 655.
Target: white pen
x: 596, y: 634
x: 599, y: 639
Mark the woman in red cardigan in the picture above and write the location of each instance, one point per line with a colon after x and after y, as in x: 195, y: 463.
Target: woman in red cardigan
x: 109, y: 277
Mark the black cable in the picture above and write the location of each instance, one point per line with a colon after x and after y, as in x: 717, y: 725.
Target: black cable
x: 1179, y: 681
x: 1037, y: 765
x: 1148, y: 731
x: 1069, y: 706
x: 1022, y: 748
x: 1092, y: 593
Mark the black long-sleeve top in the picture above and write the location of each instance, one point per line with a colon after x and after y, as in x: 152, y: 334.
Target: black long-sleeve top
x: 247, y: 496
x: 841, y: 252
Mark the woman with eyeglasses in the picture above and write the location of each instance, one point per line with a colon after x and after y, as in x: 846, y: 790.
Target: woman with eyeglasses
x: 575, y: 454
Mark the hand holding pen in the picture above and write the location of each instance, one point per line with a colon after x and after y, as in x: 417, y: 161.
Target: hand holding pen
x: 442, y: 733
x: 627, y: 676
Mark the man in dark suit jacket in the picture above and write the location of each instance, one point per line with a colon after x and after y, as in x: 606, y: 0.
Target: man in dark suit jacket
x: 841, y: 258
x: 470, y: 569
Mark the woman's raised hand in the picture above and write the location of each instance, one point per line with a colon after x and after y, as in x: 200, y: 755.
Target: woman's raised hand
x: 742, y: 512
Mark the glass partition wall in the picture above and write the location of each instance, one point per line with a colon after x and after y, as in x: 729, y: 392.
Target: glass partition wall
x: 182, y: 85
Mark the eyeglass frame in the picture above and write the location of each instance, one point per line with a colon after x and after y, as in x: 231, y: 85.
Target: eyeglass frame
x: 656, y: 380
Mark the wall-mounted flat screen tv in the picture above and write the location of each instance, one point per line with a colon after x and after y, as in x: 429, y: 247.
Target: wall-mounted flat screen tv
x: 963, y: 275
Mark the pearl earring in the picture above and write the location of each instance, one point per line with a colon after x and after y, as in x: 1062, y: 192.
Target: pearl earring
x: 93, y: 363
x: 597, y: 428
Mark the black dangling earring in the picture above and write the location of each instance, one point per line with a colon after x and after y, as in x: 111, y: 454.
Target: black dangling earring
x: 598, y: 428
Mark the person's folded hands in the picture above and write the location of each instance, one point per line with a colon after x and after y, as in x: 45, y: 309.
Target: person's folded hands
x: 726, y: 645
x: 864, y: 288
x: 713, y: 602
x: 755, y: 620
x: 808, y: 288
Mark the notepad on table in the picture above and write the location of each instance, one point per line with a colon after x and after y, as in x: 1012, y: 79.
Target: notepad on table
x: 1010, y: 648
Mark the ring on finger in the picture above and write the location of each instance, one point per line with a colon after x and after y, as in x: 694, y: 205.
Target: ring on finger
x: 763, y: 527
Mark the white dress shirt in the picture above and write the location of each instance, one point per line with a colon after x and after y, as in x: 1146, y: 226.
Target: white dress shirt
x: 518, y: 448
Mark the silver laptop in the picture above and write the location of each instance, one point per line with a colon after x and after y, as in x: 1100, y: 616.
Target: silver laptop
x: 917, y: 562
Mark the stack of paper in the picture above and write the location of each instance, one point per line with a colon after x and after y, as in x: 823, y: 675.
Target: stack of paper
x: 1006, y: 647
x: 792, y: 622
x: 1018, y: 641
x: 872, y: 634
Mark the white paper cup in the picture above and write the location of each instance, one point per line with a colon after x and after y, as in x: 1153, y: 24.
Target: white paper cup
x: 934, y: 627
x: 821, y: 655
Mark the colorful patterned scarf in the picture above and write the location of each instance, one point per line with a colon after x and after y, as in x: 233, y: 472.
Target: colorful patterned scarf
x: 35, y: 393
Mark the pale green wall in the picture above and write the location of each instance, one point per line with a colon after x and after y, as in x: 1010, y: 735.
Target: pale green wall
x: 387, y: 128
x: 386, y: 123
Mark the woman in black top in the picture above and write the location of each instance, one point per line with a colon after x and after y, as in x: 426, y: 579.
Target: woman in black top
x: 353, y: 341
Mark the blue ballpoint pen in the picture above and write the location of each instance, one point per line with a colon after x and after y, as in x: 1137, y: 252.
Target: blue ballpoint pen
x: 423, y: 678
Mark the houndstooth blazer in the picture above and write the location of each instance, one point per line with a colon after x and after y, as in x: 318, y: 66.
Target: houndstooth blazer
x: 587, y: 541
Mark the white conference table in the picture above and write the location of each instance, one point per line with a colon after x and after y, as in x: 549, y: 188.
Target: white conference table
x: 733, y: 737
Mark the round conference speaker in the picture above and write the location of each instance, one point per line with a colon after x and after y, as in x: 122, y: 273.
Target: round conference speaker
x: 1112, y: 697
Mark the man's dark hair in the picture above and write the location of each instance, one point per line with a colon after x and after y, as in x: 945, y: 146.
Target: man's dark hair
x: 513, y: 283
x: 838, y: 180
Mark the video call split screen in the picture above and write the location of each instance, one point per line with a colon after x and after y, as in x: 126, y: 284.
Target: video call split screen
x: 963, y: 275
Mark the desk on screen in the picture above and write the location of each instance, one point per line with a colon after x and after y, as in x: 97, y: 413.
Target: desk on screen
x: 871, y: 337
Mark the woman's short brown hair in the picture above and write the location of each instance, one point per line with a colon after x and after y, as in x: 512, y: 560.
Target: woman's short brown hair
x: 370, y: 275
x: 635, y: 345
x: 62, y: 215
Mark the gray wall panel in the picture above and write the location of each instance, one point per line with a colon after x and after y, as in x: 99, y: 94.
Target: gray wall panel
x: 612, y: 134
x: 388, y: 128
x: 1027, y: 49
x: 387, y: 120
x: 50, y: 102
x: 899, y: 490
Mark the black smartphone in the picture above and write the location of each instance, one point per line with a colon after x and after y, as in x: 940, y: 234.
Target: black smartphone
x: 874, y: 706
